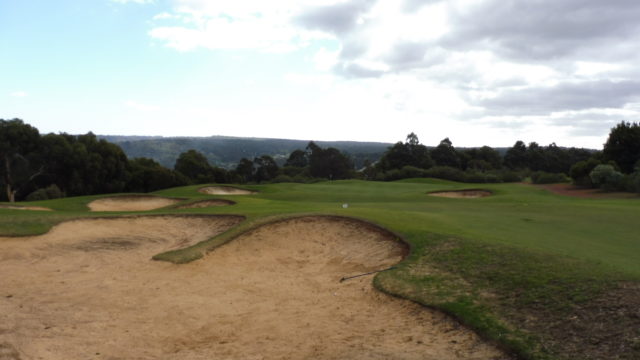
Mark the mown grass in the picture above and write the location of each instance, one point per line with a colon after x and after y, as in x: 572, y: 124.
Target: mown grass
x: 515, y: 266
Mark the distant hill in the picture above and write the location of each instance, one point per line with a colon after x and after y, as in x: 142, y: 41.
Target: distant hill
x: 226, y: 152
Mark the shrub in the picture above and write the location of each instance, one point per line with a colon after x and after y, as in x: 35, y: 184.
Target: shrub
x: 40, y: 194
x: 411, y: 172
x: 633, y: 182
x: 50, y: 192
x: 446, y: 173
x: 606, y: 177
x: 492, y: 178
x: 509, y: 176
x: 580, y: 172
x: 282, y: 179
x: 542, y: 177
x: 475, y: 177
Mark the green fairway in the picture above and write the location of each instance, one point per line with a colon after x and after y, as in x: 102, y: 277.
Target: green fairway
x: 601, y: 231
x: 493, y: 262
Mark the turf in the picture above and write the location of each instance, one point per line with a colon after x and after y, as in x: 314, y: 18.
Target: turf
x: 518, y: 266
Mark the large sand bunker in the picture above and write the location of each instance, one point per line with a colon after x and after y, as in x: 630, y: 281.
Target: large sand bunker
x: 224, y: 190
x: 87, y: 290
x: 462, y: 194
x: 20, y: 207
x: 206, y: 204
x: 131, y: 203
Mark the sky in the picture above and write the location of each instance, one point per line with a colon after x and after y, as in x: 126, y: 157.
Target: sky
x: 480, y: 72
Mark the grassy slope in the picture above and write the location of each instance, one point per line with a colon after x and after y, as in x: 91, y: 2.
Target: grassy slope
x: 515, y: 266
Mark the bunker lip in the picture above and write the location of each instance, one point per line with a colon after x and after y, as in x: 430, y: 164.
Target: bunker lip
x: 272, y: 292
x: 225, y: 190
x: 19, y: 207
x: 462, y: 194
x: 206, y: 203
x: 131, y: 203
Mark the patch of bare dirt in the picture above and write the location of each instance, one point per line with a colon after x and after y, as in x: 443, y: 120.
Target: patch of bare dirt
x: 206, y: 204
x: 131, y: 203
x: 462, y: 194
x: 225, y: 190
x: 606, y: 327
x: 273, y: 293
x: 574, y: 191
x: 16, y: 207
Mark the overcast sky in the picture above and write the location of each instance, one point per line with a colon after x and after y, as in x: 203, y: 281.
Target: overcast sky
x: 481, y: 72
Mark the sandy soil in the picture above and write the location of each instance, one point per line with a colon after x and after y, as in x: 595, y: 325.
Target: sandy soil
x: 36, y: 208
x: 131, y: 203
x: 466, y: 194
x: 206, y: 203
x: 224, y: 190
x: 87, y: 290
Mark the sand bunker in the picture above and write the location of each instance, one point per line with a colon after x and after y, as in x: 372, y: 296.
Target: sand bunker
x: 36, y: 208
x: 131, y: 203
x: 462, y: 194
x: 206, y: 204
x: 87, y: 290
x: 224, y: 190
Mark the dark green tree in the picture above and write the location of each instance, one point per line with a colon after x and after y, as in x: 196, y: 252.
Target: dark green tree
x: 266, y: 168
x: 581, y: 170
x: 536, y: 159
x: 298, y: 158
x: 329, y: 163
x: 409, y: 153
x: 245, y: 170
x: 18, y: 141
x: 445, y: 154
x: 195, y: 166
x: 516, y: 156
x: 147, y: 175
x: 623, y: 146
x: 481, y: 159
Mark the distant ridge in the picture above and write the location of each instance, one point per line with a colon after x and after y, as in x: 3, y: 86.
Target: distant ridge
x: 226, y: 151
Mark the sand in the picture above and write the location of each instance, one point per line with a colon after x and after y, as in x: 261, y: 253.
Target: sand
x: 87, y: 290
x: 131, y: 203
x: 19, y: 207
x: 224, y: 190
x: 462, y: 194
x: 206, y: 203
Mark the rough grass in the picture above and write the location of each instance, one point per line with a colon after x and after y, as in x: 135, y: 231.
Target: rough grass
x: 546, y: 276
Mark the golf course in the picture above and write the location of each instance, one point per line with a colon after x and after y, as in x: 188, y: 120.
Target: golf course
x: 350, y: 269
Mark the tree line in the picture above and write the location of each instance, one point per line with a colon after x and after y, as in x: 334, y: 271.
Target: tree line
x: 40, y: 167
x: 37, y: 167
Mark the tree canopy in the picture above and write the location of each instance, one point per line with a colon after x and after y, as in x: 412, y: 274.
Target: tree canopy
x: 623, y: 146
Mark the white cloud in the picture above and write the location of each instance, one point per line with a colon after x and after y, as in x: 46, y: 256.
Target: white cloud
x: 19, y: 93
x: 231, y: 24
x: 507, y: 62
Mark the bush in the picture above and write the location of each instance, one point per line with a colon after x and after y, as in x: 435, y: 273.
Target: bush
x: 633, y: 182
x: 411, y: 172
x: 475, y: 177
x: 543, y: 177
x: 446, y: 173
x: 50, y: 192
x: 509, y: 176
x: 607, y: 178
x: 580, y: 172
x: 282, y: 179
